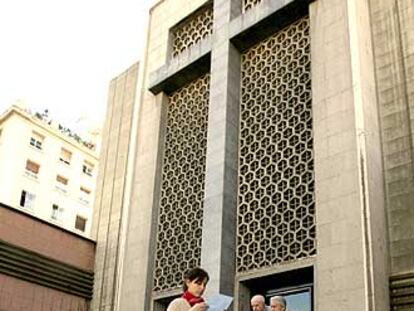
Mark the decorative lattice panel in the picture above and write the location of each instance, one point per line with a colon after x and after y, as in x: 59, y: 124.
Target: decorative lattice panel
x: 182, y: 188
x: 248, y: 4
x: 276, y: 221
x: 192, y: 30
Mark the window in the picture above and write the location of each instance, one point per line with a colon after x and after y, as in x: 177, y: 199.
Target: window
x: 87, y: 168
x: 62, y: 182
x: 80, y: 223
x: 65, y: 156
x: 36, y: 140
x: 27, y: 199
x: 85, y: 191
x: 84, y: 197
x: 56, y: 212
x: 32, y: 168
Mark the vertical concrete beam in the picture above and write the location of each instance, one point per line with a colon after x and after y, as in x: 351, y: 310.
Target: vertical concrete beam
x: 370, y: 154
x: 219, y: 219
x: 106, y: 244
x: 102, y: 160
x: 349, y: 193
x: 224, y: 11
x: 110, y: 190
x: 137, y: 273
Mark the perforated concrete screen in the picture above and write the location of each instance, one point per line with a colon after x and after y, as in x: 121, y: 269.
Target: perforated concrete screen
x: 276, y: 181
x: 248, y: 4
x: 192, y: 30
x: 182, y: 188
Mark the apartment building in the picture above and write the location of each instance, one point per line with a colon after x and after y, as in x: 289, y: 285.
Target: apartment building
x: 46, y: 171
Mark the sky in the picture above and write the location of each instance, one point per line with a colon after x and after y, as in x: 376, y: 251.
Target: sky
x: 61, y: 55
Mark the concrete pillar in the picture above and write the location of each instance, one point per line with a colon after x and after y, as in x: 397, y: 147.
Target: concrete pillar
x: 219, y: 218
x: 351, y: 265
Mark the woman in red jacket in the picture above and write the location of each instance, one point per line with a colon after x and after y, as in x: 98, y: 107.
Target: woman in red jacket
x: 195, y: 281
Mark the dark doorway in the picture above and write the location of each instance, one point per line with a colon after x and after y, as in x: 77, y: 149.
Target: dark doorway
x: 296, y: 286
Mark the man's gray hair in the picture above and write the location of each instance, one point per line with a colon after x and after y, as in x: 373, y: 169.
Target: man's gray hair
x: 280, y: 300
x: 259, y: 298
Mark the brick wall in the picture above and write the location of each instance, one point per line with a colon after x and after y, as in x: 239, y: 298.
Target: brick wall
x: 38, y: 236
x: 42, y: 267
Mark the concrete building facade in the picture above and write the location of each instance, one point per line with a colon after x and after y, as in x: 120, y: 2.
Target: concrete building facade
x: 109, y: 211
x: 46, y: 173
x: 271, y: 144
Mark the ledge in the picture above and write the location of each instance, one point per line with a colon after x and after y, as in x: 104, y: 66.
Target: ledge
x: 264, y: 20
x: 244, y: 32
x: 179, y: 71
x: 36, y: 268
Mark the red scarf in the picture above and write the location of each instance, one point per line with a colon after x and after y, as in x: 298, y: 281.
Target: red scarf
x: 192, y: 300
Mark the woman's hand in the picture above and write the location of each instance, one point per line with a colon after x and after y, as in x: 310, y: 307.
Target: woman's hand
x: 202, y: 306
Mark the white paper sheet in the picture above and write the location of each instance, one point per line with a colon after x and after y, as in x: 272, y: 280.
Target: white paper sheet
x: 219, y: 302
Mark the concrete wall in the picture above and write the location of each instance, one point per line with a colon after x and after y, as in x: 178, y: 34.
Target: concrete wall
x: 393, y: 28
x: 392, y: 24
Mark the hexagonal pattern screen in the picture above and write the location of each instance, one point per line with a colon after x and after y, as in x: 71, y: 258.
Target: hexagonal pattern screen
x: 192, y: 30
x: 248, y: 4
x: 276, y: 208
x: 182, y: 185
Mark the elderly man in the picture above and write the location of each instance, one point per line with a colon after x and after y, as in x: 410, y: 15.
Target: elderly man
x: 258, y: 303
x: 277, y: 303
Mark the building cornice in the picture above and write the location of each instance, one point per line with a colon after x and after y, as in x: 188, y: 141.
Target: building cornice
x: 15, y: 110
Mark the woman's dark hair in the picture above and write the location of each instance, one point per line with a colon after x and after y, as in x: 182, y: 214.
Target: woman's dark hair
x: 195, y: 274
